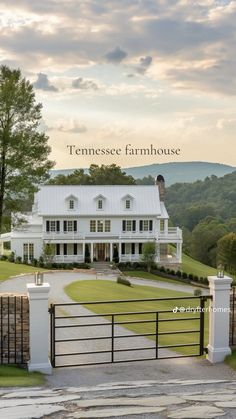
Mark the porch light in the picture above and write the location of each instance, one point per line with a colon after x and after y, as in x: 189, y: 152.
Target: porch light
x: 220, y: 271
x: 38, y: 278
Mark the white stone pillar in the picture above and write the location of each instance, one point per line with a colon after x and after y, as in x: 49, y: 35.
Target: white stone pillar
x: 39, y: 328
x: 219, y: 316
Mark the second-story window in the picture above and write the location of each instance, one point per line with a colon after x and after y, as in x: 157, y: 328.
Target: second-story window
x: 100, y: 226
x: 52, y: 226
x: 129, y: 225
x: 69, y: 225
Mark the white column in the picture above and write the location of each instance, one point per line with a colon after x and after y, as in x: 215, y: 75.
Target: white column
x: 166, y: 226
x: 83, y: 251
x: 111, y: 253
x: 119, y: 251
x: 91, y: 253
x: 39, y: 328
x: 219, y: 314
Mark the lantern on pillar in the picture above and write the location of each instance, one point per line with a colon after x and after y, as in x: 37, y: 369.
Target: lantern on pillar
x: 220, y: 271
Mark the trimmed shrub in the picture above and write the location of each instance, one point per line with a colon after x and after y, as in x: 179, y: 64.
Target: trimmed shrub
x: 18, y: 259
x: 190, y: 277
x: 3, y: 257
x: 196, y: 278
x: 11, y: 257
x: 178, y: 273
x: 184, y: 275
x: 197, y: 292
x: 123, y: 281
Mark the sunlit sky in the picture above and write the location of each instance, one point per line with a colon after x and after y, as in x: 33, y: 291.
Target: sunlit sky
x: 139, y: 72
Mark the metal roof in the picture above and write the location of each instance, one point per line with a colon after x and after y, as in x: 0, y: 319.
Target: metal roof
x: 52, y: 200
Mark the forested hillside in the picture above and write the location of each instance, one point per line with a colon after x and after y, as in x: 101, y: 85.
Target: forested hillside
x: 207, y: 211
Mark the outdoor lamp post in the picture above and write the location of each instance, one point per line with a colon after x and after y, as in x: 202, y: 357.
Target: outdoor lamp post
x: 220, y: 271
x: 38, y: 278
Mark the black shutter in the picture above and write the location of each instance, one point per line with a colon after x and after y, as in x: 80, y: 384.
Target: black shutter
x: 140, y: 248
x: 75, y: 249
x: 124, y: 225
x: 150, y: 225
x: 47, y: 226
x: 134, y: 225
x: 141, y: 225
x: 58, y: 226
x: 133, y: 248
x: 65, y: 225
x: 58, y: 250
x: 122, y: 248
x: 65, y: 248
x: 75, y: 227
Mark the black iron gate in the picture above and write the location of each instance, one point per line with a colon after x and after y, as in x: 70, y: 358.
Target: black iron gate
x: 79, y: 337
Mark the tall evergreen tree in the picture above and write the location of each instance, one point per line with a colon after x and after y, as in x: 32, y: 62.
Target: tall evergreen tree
x: 24, y: 150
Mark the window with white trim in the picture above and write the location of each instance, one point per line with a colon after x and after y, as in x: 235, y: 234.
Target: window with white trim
x: 93, y: 226
x: 100, y: 204
x: 107, y: 226
x: 127, y: 204
x: 28, y: 251
x: 71, y: 204
x: 100, y: 226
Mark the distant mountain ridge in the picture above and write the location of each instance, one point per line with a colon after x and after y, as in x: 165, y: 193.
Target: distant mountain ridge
x: 172, y: 172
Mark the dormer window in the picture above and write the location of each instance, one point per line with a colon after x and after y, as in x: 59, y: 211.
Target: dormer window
x: 71, y: 204
x: 127, y: 204
x: 100, y: 204
x: 100, y: 201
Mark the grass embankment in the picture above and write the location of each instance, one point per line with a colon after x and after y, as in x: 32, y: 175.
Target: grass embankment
x: 99, y: 290
x: 12, y: 376
x: 231, y: 359
x: 8, y: 269
x: 189, y: 265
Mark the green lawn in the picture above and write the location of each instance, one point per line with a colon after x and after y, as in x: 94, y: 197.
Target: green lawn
x: 96, y: 290
x: 231, y: 359
x: 190, y: 265
x: 12, y: 376
x: 8, y: 269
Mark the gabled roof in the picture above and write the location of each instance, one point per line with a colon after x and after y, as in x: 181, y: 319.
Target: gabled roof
x: 146, y: 202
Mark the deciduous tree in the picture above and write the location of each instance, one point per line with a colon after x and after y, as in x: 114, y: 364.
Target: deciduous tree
x: 24, y: 150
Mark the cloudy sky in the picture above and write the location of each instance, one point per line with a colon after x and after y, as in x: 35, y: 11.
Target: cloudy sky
x: 117, y: 72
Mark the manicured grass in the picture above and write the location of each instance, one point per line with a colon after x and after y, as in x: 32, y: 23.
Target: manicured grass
x: 148, y: 275
x: 192, y: 266
x: 100, y: 290
x: 231, y: 359
x: 12, y: 376
x: 8, y: 269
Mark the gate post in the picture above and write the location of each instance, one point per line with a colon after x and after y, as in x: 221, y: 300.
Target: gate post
x: 39, y: 328
x: 219, y: 315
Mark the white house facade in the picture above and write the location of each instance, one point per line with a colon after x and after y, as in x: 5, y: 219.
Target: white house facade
x: 97, y: 223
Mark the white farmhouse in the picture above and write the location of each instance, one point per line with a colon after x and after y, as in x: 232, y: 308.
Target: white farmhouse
x: 97, y: 223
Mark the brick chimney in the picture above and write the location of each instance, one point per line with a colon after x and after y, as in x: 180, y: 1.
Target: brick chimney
x: 160, y: 182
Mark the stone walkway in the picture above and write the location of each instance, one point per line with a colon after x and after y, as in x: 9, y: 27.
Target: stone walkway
x: 173, y: 399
